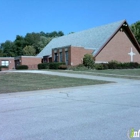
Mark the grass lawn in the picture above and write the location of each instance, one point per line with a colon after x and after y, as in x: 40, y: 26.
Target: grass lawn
x: 15, y: 82
x: 120, y: 73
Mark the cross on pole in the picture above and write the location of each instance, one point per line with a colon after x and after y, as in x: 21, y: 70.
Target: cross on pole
x: 131, y: 54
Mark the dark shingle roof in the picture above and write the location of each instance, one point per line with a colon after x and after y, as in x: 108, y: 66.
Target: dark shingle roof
x: 93, y: 38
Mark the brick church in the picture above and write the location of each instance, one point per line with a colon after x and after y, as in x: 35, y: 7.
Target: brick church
x: 113, y: 41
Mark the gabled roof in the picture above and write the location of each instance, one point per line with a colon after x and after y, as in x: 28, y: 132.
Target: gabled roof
x: 94, y: 38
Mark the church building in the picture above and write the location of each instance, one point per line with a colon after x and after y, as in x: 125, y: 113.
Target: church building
x: 113, y: 41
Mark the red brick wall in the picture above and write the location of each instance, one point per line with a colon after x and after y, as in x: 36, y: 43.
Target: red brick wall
x: 52, y: 55
x: 11, y: 61
x: 118, y: 49
x: 77, y: 54
x: 32, y: 62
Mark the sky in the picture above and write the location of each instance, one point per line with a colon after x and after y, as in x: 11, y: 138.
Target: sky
x: 19, y: 17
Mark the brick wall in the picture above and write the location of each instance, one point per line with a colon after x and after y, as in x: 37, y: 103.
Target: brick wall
x: 77, y: 54
x: 11, y: 61
x: 31, y: 62
x: 118, y: 49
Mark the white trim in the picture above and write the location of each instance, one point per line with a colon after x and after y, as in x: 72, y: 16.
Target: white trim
x: 101, y: 62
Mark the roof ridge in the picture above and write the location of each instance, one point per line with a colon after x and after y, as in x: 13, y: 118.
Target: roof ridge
x: 120, y: 21
x: 91, y: 38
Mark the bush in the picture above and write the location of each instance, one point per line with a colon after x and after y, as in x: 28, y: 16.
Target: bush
x: 79, y: 67
x: 105, y: 66
x: 55, y: 65
x: 134, y: 65
x: 22, y: 67
x: 43, y: 66
x: 88, y: 61
x: 63, y: 67
x: 99, y: 66
x: 119, y: 65
x: 113, y: 65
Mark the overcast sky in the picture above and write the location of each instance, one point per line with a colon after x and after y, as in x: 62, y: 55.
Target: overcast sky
x: 18, y: 17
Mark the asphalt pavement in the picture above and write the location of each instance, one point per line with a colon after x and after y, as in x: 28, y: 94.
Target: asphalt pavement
x: 96, y: 112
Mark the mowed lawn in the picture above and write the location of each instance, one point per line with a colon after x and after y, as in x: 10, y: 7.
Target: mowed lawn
x: 16, y: 82
x: 118, y: 73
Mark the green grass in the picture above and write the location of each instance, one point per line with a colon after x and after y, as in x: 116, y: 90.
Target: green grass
x: 16, y: 82
x: 120, y: 73
x: 130, y: 72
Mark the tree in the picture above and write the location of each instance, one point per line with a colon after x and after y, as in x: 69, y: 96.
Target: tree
x: 42, y: 43
x: 1, y: 53
x: 19, y: 44
x: 29, y: 51
x: 7, y: 48
x: 135, y: 28
x: 60, y: 33
x: 32, y: 39
x: 37, y: 40
x: 88, y: 60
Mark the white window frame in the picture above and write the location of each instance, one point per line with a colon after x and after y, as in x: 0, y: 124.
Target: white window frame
x: 4, y: 63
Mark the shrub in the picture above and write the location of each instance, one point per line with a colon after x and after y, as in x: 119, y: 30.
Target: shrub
x: 43, y: 66
x: 99, y: 66
x: 105, y: 66
x: 88, y: 60
x: 63, y: 67
x: 130, y: 65
x: 79, y: 67
x: 119, y: 65
x: 22, y: 67
x: 113, y: 65
x: 55, y: 65
x: 134, y: 65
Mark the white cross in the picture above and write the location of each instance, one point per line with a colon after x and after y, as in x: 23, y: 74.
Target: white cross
x: 131, y: 54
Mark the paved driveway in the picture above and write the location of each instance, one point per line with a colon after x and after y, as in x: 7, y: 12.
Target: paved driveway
x: 100, y: 112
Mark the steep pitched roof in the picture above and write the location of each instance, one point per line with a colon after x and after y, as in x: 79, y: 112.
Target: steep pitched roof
x: 94, y: 38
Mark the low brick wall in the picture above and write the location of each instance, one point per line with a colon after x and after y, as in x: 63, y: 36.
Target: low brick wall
x: 4, y: 69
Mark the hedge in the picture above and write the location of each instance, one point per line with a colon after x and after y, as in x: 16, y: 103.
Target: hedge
x: 52, y: 65
x: 43, y: 66
x: 22, y: 67
x: 55, y: 65
x: 116, y: 65
x: 63, y: 67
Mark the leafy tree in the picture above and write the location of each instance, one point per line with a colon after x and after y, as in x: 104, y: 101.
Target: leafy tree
x: 19, y: 44
x: 136, y: 30
x: 42, y: 43
x: 88, y: 60
x: 60, y: 33
x: 1, y: 53
x: 33, y: 39
x: 7, y: 48
x: 29, y: 51
x: 37, y: 40
x: 42, y: 33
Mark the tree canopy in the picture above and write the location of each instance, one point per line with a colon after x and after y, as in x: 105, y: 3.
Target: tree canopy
x: 135, y: 28
x: 31, y: 44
